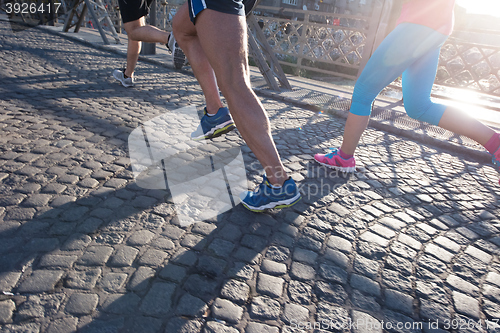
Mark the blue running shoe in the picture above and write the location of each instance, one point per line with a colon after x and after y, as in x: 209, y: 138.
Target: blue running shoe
x: 214, y: 126
x: 266, y: 197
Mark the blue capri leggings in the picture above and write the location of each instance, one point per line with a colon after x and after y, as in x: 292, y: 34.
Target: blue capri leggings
x: 410, y: 49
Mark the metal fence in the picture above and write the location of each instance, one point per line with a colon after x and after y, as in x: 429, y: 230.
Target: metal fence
x: 339, y: 45
x: 469, y: 65
x: 326, y: 43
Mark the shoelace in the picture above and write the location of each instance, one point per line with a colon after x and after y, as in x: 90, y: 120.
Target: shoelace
x: 259, y: 188
x: 334, y: 151
x: 262, y: 187
x: 495, y: 160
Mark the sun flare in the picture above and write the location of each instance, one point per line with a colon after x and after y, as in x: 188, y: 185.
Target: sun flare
x: 487, y: 7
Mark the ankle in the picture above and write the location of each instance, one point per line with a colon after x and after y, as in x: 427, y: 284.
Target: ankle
x: 493, y: 143
x: 344, y: 155
x: 277, y: 182
x: 127, y: 74
x: 212, y: 111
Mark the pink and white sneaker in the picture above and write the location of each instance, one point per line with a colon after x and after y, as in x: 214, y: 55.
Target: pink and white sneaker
x: 335, y: 161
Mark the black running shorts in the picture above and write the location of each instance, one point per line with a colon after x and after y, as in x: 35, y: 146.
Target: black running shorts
x: 132, y: 10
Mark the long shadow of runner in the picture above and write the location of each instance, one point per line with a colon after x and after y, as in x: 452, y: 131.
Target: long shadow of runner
x: 127, y: 265
x: 211, y: 268
x: 227, y: 270
x: 109, y: 250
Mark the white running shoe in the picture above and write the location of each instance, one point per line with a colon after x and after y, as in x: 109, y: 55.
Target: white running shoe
x: 177, y: 53
x: 119, y: 74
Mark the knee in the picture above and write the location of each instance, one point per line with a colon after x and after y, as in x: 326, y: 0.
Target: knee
x: 130, y: 31
x: 415, y: 110
x: 362, y: 99
x: 425, y: 111
x: 176, y: 26
x: 234, y: 84
x: 130, y: 28
x: 180, y: 24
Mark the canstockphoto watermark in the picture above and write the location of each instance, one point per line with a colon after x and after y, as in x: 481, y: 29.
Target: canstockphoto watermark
x: 318, y: 189
x: 204, y: 179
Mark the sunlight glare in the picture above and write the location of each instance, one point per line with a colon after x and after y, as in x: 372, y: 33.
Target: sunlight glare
x: 485, y: 7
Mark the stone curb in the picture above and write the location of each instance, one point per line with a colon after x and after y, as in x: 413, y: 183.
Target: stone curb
x: 481, y: 156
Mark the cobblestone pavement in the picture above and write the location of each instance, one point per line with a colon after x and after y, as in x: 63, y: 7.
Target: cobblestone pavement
x: 408, y: 243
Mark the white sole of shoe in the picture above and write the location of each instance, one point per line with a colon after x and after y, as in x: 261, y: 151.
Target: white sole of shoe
x: 271, y: 205
x: 343, y: 169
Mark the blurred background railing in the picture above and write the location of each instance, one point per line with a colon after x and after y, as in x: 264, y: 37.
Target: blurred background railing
x: 331, y: 40
x: 470, y: 65
x: 318, y: 43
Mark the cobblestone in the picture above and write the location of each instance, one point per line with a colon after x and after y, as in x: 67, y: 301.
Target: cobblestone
x: 140, y: 279
x: 121, y: 304
x: 273, y: 268
x: 365, y: 284
x: 215, y: 327
x: 300, y: 292
x: 332, y: 293
x: 113, y: 282
x: 82, y: 304
x: 57, y: 261
x: 152, y: 257
x: 265, y: 308
x: 478, y: 254
x: 328, y: 313
x: 270, y: 285
x: 173, y: 272
x: 368, y: 303
x: 40, y: 281
x: 226, y: 310
x: 294, y: 313
x: 124, y: 256
x: 462, y: 285
x: 7, y: 308
x: 236, y: 291
x: 67, y: 324
x: 439, y: 252
x: 260, y: 328
x: 333, y: 273
x: 83, y: 279
x: 466, y: 305
x: 399, y: 301
x: 191, y: 306
x: 158, y: 300
x: 339, y: 243
x: 182, y: 325
x: 412, y: 236
x: 95, y: 255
